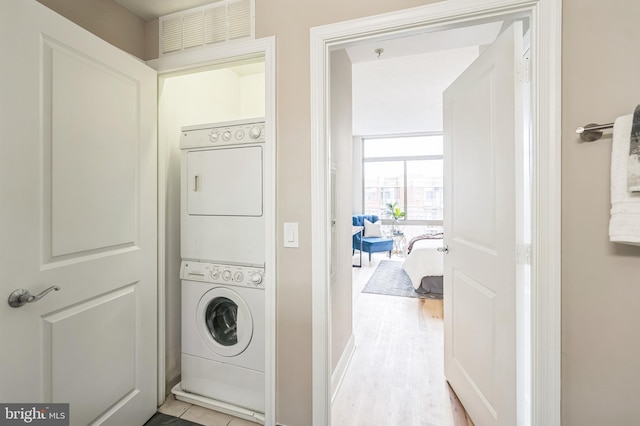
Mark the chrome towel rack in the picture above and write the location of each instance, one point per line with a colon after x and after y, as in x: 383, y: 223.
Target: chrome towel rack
x: 592, y: 132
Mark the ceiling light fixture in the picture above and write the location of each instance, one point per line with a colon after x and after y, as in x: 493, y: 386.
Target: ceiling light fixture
x: 379, y: 51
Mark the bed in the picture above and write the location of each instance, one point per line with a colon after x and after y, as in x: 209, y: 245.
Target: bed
x: 424, y: 264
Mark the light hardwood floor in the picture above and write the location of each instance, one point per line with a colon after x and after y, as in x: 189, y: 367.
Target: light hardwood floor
x: 396, y: 374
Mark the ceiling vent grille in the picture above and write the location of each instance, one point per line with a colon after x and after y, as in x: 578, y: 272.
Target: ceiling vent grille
x: 220, y: 22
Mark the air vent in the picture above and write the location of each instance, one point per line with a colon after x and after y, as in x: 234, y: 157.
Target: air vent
x: 220, y: 22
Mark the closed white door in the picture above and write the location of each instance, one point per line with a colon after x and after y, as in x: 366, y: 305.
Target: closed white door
x: 482, y: 125
x: 78, y: 211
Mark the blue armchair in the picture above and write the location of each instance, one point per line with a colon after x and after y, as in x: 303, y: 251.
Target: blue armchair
x: 369, y: 244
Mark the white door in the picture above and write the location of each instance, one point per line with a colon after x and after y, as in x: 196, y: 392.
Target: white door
x: 77, y: 210
x: 482, y: 125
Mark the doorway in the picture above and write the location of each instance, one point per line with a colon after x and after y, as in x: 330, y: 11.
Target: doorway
x: 400, y: 341
x: 545, y: 204
x: 248, y: 65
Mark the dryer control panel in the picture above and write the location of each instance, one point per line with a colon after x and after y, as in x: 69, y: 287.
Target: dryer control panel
x: 216, y: 273
x: 239, y: 132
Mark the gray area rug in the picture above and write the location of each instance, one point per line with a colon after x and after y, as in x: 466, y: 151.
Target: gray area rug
x: 390, y: 279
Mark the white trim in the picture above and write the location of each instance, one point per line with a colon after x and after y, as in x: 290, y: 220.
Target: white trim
x: 182, y: 63
x: 401, y: 135
x: 220, y: 54
x: 546, y: 215
x: 270, y: 235
x: 162, y: 279
x: 320, y: 245
x: 216, y: 405
x: 341, y: 368
x: 546, y: 44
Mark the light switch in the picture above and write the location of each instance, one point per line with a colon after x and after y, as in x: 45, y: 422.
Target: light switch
x: 291, y: 234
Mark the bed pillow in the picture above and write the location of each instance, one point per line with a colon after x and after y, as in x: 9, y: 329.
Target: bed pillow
x: 372, y: 229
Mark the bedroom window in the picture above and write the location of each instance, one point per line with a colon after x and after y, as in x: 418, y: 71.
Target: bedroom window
x: 406, y: 170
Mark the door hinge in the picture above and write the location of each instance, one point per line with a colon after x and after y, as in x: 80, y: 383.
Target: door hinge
x: 524, y: 254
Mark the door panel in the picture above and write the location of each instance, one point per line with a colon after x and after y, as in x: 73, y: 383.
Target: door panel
x: 78, y: 188
x: 107, y: 357
x: 482, y: 126
x: 472, y: 340
x: 91, y: 203
x: 478, y: 155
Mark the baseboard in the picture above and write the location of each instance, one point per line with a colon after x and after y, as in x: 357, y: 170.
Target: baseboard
x: 341, y: 368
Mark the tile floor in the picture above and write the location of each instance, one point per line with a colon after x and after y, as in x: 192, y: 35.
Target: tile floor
x: 200, y: 415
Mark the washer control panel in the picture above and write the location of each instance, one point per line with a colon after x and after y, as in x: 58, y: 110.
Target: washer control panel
x: 216, y: 273
x: 223, y: 134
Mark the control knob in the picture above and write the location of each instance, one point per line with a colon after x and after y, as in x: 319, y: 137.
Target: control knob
x: 255, y: 132
x: 226, y: 275
x: 215, y: 274
x: 239, y: 134
x: 226, y: 136
x: 214, y: 137
x: 256, y: 278
x: 238, y: 277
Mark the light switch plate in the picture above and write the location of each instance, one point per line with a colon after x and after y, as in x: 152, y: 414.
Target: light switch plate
x: 291, y: 234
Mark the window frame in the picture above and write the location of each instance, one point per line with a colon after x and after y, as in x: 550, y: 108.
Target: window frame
x: 400, y: 158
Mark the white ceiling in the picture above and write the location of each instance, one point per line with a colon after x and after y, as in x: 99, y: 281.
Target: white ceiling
x: 151, y: 9
x: 477, y: 35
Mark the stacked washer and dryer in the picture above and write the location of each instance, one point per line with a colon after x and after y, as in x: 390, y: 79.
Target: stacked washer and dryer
x: 222, y: 271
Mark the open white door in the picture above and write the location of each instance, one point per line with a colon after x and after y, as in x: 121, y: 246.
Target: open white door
x: 77, y: 210
x: 482, y: 125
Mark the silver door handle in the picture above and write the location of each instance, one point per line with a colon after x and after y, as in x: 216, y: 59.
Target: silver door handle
x: 443, y: 249
x: 21, y: 296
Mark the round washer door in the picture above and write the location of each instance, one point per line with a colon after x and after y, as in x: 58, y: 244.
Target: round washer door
x: 224, y: 322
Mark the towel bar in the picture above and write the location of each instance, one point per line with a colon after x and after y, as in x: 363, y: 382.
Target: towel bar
x: 592, y: 132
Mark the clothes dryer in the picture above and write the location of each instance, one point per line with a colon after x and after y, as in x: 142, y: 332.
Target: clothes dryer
x: 223, y: 334
x: 222, y: 202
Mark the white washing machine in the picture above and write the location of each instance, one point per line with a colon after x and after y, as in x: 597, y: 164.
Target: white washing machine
x: 223, y: 334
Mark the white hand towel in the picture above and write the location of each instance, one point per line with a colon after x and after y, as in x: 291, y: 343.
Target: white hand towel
x: 624, y: 226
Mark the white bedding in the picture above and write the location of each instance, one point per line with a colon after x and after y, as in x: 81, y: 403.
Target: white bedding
x: 424, y: 260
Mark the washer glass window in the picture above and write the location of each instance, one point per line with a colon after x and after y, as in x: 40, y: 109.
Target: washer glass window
x: 221, y: 318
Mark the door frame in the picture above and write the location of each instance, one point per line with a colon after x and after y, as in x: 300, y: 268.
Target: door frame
x: 193, y: 61
x: 546, y: 39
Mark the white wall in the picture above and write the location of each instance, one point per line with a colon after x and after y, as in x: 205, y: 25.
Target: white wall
x: 402, y: 95
x: 206, y: 97
x: 252, y: 95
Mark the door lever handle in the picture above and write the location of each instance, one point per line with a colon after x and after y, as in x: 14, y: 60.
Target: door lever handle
x: 21, y: 296
x: 444, y: 249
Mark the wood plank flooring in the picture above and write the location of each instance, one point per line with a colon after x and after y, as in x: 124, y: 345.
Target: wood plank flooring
x: 396, y: 375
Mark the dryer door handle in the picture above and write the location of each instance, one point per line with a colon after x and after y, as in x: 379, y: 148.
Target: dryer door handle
x: 196, y: 183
